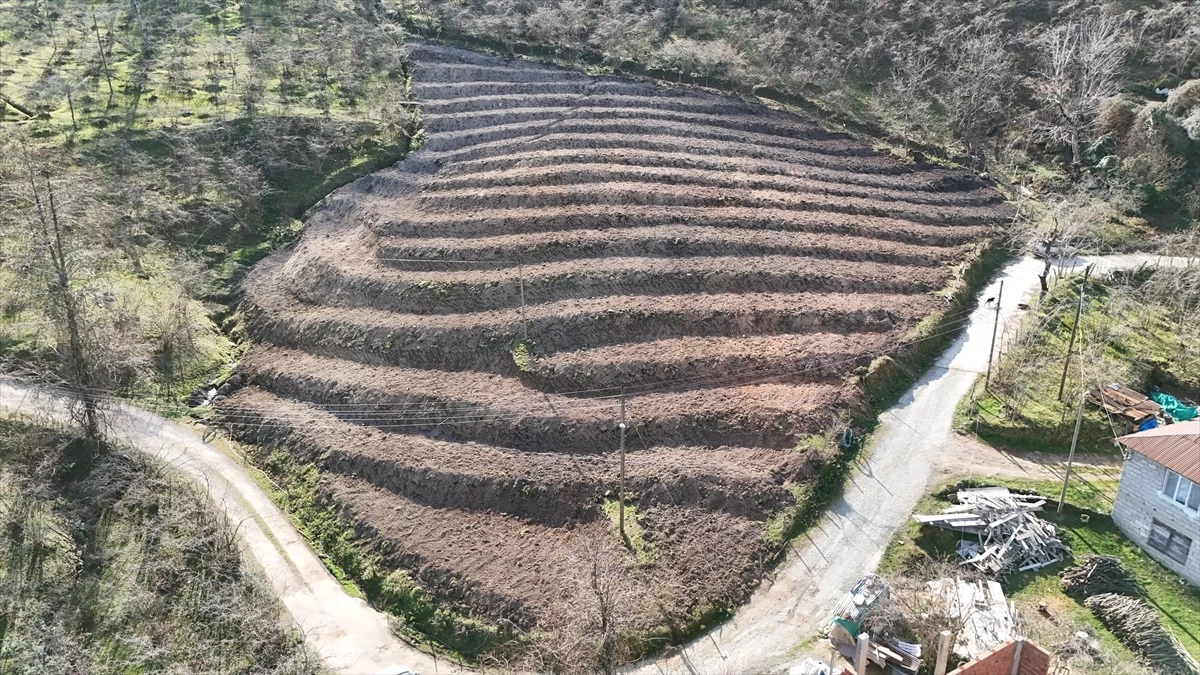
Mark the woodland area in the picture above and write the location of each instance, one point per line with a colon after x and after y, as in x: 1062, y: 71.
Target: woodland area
x: 150, y: 152
x: 114, y: 565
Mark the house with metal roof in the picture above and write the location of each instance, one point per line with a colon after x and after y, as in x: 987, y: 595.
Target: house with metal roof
x: 1158, y: 500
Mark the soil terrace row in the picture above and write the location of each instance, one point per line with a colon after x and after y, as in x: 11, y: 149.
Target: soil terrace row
x: 537, y: 173
x: 493, y: 221
x: 448, y: 340
x: 920, y: 183
x: 665, y: 241
x: 551, y: 489
x: 564, y: 325
x: 499, y: 410
x: 345, y: 283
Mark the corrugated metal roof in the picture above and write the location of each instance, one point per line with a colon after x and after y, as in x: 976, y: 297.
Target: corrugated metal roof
x: 1175, y: 446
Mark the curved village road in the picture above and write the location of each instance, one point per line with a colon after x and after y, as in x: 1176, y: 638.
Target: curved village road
x: 767, y: 634
x: 351, y: 637
x: 346, y: 633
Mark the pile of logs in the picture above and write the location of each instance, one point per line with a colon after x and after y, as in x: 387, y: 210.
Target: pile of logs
x: 1097, y: 574
x: 1011, y: 538
x: 1136, y: 624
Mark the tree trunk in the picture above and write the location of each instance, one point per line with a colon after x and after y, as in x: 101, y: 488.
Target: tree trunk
x: 80, y: 369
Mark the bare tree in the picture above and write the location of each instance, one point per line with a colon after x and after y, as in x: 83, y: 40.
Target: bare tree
x: 1055, y: 232
x: 1081, y: 65
x: 979, y: 84
x: 906, y: 95
x: 54, y: 210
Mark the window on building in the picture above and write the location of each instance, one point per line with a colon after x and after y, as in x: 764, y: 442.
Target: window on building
x: 1181, y: 490
x: 1167, y: 540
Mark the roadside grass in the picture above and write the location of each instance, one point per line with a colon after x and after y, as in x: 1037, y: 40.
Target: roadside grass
x: 883, y: 382
x: 418, y: 617
x: 1177, y: 603
x: 1145, y: 345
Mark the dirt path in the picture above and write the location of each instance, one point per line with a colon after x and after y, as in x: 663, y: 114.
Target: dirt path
x: 909, y: 451
x: 347, y: 634
x: 963, y: 454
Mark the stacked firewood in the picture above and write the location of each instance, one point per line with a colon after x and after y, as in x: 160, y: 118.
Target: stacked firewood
x: 1097, y: 574
x: 1136, y: 624
x: 1011, y: 538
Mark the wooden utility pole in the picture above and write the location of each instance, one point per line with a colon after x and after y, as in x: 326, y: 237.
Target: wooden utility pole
x: 521, y: 282
x: 943, y: 653
x: 1062, y: 383
x: 987, y: 380
x: 1062, y: 497
x: 621, y: 481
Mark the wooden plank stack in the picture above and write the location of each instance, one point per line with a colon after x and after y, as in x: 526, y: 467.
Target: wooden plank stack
x: 1011, y: 538
x: 1132, y: 406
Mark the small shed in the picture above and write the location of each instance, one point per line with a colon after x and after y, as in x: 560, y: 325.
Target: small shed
x: 1158, y: 500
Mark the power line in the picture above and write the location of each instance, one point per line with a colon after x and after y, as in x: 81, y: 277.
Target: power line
x: 377, y: 415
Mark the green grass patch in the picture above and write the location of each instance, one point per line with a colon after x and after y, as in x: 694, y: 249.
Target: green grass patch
x: 645, y: 553
x: 1140, y: 344
x: 522, y: 353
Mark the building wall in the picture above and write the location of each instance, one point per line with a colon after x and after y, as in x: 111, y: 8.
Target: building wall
x: 1033, y: 661
x: 1140, y: 500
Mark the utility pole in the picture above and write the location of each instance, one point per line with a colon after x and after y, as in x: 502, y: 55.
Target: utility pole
x: 1062, y: 497
x: 621, y: 481
x: 521, y: 282
x: 987, y: 380
x: 1074, y: 327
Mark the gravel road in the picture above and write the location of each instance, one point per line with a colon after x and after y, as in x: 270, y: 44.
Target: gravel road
x: 768, y: 633
x: 346, y: 633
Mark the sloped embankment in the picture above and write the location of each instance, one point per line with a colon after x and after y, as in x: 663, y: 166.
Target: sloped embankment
x: 723, y: 265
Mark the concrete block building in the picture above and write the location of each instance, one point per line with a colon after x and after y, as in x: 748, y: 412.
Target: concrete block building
x: 1158, y: 501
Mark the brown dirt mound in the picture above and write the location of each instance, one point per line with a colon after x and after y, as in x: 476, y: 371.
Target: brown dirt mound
x: 450, y: 340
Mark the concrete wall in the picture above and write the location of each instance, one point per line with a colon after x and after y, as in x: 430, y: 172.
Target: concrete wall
x: 1140, y: 500
x: 999, y: 661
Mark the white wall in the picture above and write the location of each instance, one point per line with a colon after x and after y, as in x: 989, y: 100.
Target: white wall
x: 1140, y: 500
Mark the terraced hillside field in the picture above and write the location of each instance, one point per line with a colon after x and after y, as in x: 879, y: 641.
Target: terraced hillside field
x: 450, y: 339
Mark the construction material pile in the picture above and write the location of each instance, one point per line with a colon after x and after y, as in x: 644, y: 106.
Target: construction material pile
x: 1098, y: 574
x: 1136, y: 624
x: 1011, y: 538
x: 850, y: 620
x: 981, y: 610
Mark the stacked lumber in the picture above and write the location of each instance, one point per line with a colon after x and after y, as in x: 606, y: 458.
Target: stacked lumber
x: 1136, y: 624
x: 1097, y: 574
x: 1011, y: 538
x: 1124, y: 402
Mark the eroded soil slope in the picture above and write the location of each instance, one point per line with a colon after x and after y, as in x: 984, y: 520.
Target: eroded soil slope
x: 724, y: 265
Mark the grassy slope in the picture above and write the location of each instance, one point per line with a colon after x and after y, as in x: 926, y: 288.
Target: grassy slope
x: 232, y: 117
x: 1178, y: 604
x: 114, y: 564
x: 1146, y: 350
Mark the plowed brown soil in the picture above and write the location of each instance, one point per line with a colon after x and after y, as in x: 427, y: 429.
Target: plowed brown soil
x: 451, y: 340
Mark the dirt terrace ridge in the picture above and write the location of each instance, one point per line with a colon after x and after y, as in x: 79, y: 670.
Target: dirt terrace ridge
x: 725, y: 265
